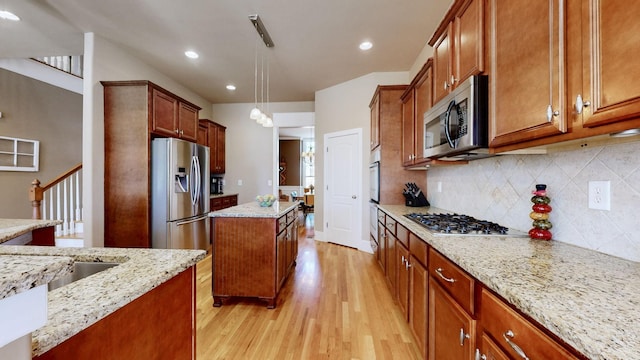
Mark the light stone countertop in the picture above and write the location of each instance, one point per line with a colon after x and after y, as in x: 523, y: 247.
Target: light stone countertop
x: 22, y: 273
x: 253, y: 210
x: 12, y: 228
x: 213, y: 196
x: 589, y: 299
x: 76, y: 306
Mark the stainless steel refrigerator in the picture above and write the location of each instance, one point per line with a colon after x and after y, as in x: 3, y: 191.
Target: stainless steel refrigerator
x: 179, y: 194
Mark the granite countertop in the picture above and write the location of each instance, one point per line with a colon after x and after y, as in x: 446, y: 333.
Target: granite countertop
x: 213, y: 196
x: 76, y: 306
x: 22, y: 273
x: 253, y: 210
x: 11, y: 228
x: 589, y: 299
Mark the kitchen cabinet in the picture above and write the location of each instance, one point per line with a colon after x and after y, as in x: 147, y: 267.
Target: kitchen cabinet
x: 503, y: 328
x: 217, y: 135
x: 375, y: 122
x: 173, y: 117
x: 415, y: 102
x: 220, y: 202
x: 458, y: 46
x: 566, y: 64
x: 134, y: 113
x: 451, y: 329
x: 381, y: 254
x: 253, y: 256
x: 451, y: 310
x: 386, y: 109
x: 203, y: 133
x: 488, y: 350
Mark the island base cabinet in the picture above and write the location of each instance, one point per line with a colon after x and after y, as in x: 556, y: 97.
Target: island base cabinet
x: 157, y: 325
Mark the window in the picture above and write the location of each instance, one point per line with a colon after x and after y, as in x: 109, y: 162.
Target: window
x: 308, y: 163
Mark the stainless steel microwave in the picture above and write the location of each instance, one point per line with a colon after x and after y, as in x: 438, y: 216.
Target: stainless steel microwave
x: 457, y: 126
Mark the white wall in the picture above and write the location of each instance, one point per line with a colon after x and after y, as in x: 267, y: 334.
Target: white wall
x: 342, y: 107
x: 105, y: 61
x: 249, y: 148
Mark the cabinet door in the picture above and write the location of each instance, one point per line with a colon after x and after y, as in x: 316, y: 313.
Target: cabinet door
x: 403, y: 258
x: 469, y: 40
x: 423, y: 101
x: 281, y: 256
x: 610, y: 52
x: 375, y: 122
x: 188, y: 122
x: 451, y: 329
x: 220, y: 150
x: 382, y: 246
x: 418, y: 303
x: 526, y: 95
x: 203, y: 134
x: 489, y: 350
x: 408, y: 128
x: 391, y: 269
x: 443, y: 64
x: 164, y: 114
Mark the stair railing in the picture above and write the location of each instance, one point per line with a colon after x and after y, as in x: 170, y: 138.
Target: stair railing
x: 69, y: 64
x: 60, y: 199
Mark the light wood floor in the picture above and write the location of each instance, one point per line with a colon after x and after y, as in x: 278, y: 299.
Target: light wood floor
x: 336, y: 305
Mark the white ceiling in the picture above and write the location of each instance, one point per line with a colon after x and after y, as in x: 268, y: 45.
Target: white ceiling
x: 316, y: 41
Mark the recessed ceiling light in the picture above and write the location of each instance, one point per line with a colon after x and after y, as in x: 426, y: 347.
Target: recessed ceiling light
x: 191, y: 54
x: 231, y: 87
x: 366, y: 45
x: 7, y: 15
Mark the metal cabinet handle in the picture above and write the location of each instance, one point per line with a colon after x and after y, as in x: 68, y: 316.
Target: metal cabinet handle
x: 439, y: 272
x: 177, y: 131
x: 551, y: 113
x: 480, y: 356
x: 446, y: 85
x: 453, y: 80
x: 463, y: 336
x: 509, y: 334
x: 407, y: 265
x: 580, y: 104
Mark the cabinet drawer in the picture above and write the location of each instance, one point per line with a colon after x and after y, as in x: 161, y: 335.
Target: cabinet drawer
x: 402, y: 234
x: 502, y: 322
x: 391, y: 224
x: 453, y: 279
x: 291, y: 216
x: 381, y: 217
x: 418, y: 248
x: 282, y: 223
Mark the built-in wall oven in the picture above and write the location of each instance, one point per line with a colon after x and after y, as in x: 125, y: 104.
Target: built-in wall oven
x: 374, y: 182
x: 457, y: 126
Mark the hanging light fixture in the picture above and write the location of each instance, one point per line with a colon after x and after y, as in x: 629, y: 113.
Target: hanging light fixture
x: 309, y: 155
x: 256, y: 113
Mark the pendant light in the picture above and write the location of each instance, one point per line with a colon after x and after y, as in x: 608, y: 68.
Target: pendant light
x: 255, y: 112
x: 258, y: 114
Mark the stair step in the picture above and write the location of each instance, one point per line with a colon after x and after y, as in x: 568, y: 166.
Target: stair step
x: 69, y: 242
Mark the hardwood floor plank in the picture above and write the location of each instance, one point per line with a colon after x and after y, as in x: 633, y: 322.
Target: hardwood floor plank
x: 335, y: 305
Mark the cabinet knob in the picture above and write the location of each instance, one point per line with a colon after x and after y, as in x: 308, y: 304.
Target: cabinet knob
x: 446, y: 85
x: 480, y: 356
x: 580, y: 104
x: 551, y: 113
x: 177, y: 131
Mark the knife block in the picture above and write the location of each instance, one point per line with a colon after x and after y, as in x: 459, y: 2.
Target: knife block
x: 416, y: 201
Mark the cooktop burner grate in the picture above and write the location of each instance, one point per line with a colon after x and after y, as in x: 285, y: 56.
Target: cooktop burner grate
x: 462, y: 225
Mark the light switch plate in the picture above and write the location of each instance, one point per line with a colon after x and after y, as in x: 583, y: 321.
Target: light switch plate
x: 600, y: 195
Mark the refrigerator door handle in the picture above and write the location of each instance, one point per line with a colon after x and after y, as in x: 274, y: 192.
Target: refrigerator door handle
x: 196, y: 219
x: 194, y: 179
x: 198, y: 180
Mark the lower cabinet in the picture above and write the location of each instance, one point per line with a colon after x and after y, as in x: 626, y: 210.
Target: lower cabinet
x: 418, y: 302
x: 222, y: 202
x: 451, y: 329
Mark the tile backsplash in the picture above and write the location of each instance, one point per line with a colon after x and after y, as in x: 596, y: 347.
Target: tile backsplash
x: 499, y: 189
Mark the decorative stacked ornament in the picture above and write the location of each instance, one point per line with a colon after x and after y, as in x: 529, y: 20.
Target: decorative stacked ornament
x: 540, y: 214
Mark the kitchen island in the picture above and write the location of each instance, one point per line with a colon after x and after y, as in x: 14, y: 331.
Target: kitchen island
x: 254, y: 249
x: 137, y: 309
x: 589, y: 300
x: 27, y: 231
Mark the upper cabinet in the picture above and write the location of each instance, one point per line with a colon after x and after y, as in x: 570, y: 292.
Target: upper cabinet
x: 458, y: 46
x: 173, y: 117
x: 526, y: 70
x: 216, y: 141
x: 609, y: 90
x: 415, y: 102
x: 375, y: 123
x: 561, y: 71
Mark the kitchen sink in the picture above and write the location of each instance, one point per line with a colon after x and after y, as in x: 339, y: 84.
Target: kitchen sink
x: 81, y: 270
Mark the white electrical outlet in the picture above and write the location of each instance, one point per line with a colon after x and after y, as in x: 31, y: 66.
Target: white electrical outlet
x: 600, y: 195
x: 439, y: 186
x: 240, y: 182
x: 269, y: 183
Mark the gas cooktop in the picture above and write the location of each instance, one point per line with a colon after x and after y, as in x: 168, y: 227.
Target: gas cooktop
x: 462, y: 225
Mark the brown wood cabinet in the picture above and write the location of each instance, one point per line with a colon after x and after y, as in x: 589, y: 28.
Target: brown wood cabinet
x: 415, y: 102
x: 503, y: 328
x: 458, y: 46
x: 222, y: 202
x: 158, y: 325
x: 451, y: 328
x: 203, y: 133
x: 216, y: 140
x: 134, y: 113
x: 375, y: 122
x: 173, y: 117
x: 386, y: 109
x: 572, y: 82
x: 252, y: 257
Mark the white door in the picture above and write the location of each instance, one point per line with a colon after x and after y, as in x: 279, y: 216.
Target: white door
x: 343, y: 188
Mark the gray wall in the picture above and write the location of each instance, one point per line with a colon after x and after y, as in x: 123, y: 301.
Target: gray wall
x: 35, y: 110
